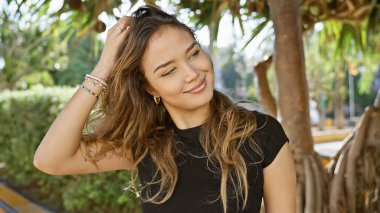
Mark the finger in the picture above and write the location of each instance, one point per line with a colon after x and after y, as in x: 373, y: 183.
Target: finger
x: 119, y: 27
x: 124, y: 22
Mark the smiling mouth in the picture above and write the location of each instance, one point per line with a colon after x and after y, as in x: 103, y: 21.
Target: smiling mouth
x: 199, y: 87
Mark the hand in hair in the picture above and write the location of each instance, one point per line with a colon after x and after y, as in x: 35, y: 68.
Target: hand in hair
x: 115, y: 37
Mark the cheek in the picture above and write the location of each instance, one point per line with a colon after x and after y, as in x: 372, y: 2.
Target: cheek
x: 203, y: 63
x: 207, y: 61
x: 170, y: 87
x: 166, y: 87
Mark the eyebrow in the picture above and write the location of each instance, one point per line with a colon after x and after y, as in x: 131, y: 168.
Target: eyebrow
x: 171, y: 61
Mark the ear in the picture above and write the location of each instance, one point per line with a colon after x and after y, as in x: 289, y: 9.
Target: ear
x: 149, y: 89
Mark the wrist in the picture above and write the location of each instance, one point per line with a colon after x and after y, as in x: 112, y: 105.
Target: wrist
x: 101, y: 72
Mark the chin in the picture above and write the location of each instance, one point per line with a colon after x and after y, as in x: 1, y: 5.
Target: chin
x: 196, y: 102
x: 201, y: 100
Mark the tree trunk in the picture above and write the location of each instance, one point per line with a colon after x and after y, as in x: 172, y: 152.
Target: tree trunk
x: 294, y: 104
x: 355, y: 170
x: 290, y: 73
x: 214, y: 27
x: 267, y: 101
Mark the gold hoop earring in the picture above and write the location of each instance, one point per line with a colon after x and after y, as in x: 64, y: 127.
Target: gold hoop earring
x: 157, y: 99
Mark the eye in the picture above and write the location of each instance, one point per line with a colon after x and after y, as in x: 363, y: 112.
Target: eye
x: 168, y: 72
x: 195, y: 53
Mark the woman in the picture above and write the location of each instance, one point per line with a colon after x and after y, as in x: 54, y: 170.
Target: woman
x: 192, y: 149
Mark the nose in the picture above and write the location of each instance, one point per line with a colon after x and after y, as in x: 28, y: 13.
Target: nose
x: 191, y: 73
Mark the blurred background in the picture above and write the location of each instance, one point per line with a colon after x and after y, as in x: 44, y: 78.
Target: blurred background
x: 312, y: 64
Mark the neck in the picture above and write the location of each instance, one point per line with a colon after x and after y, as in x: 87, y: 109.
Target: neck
x: 185, y: 119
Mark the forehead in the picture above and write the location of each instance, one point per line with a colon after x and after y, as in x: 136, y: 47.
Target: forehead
x: 166, y: 44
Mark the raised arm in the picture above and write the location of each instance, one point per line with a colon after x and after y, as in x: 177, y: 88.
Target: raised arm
x: 59, y: 153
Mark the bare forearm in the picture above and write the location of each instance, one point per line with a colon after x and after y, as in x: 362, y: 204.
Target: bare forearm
x: 63, y: 137
x: 58, y: 152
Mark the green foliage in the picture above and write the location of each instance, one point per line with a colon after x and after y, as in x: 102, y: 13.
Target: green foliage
x: 81, y: 59
x: 364, y: 92
x: 324, y: 67
x: 252, y: 93
x: 321, y: 70
x: 25, y: 49
x: 209, y: 13
x: 25, y: 117
x: 350, y: 39
x: 43, y: 78
x: 100, y: 193
x: 365, y: 85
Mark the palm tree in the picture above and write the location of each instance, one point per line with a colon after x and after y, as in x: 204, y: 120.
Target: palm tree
x: 294, y: 102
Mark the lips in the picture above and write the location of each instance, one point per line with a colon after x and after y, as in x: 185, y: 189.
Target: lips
x: 198, y: 87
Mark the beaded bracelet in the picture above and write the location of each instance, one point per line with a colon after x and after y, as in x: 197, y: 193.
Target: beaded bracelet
x: 97, y: 79
x: 95, y: 82
x: 89, y: 91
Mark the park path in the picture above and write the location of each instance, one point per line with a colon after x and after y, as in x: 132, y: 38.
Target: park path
x: 13, y: 202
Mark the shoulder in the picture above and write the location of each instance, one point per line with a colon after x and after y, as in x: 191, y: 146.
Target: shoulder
x: 267, y: 124
x: 269, y: 135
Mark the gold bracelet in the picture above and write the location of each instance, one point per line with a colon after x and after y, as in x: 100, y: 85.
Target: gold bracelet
x: 89, y: 91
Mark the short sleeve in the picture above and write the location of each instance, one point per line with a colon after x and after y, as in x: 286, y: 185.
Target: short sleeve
x: 270, y: 135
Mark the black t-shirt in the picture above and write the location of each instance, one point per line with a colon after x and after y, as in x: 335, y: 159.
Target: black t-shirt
x: 198, y: 188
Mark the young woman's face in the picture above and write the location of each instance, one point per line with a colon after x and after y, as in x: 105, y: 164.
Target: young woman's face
x: 178, y: 70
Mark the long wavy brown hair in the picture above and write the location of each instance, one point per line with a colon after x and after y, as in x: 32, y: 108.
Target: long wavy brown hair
x: 131, y: 121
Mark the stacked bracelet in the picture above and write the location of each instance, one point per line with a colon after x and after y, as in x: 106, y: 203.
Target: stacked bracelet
x: 96, y: 80
x: 89, y: 91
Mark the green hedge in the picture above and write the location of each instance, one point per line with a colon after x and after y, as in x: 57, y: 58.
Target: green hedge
x: 25, y: 117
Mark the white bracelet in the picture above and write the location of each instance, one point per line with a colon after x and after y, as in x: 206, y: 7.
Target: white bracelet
x: 97, y: 79
x: 95, y: 82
